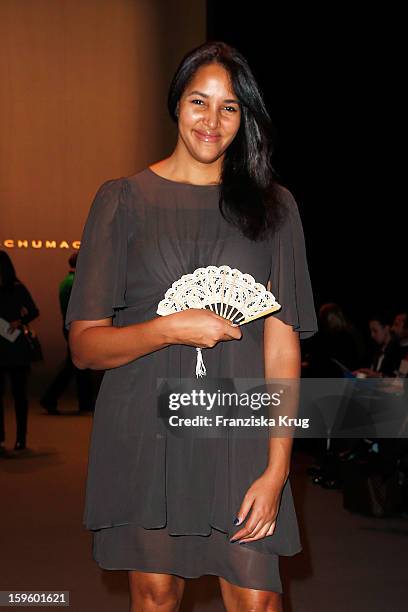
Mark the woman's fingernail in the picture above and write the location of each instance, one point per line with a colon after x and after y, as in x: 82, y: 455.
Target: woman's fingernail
x: 236, y: 521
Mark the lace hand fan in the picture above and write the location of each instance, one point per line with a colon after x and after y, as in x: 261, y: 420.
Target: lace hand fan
x: 223, y: 290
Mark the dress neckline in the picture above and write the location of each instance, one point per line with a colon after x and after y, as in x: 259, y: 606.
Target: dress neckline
x: 166, y: 180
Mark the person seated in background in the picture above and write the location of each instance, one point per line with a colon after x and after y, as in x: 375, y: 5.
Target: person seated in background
x: 336, y: 347
x: 387, y: 356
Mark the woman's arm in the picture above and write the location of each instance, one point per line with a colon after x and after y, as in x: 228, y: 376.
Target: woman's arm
x: 282, y: 360
x: 99, y: 346
x: 261, y: 502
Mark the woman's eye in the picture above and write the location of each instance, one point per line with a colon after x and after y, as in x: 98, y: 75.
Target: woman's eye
x: 231, y: 109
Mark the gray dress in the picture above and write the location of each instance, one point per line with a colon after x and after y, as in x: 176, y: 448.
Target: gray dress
x: 157, y: 502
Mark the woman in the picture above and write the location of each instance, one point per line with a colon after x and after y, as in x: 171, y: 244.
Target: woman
x: 164, y: 507
x: 17, y: 308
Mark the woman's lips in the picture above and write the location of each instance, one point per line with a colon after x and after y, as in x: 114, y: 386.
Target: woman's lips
x: 207, y: 137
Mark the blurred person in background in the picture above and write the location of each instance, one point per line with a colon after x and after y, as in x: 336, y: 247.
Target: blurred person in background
x: 336, y: 347
x: 387, y: 356
x: 83, y: 378
x: 399, y: 328
x: 17, y: 308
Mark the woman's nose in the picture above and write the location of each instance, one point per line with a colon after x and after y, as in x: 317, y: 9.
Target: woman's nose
x: 211, y: 118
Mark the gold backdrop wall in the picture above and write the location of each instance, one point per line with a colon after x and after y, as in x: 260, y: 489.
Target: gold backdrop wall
x: 82, y: 100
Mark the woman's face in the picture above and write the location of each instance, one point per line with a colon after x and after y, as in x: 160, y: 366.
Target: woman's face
x: 209, y: 114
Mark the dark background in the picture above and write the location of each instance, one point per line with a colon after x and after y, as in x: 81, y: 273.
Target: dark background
x: 329, y: 80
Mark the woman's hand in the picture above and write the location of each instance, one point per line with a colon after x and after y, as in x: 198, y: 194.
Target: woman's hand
x: 200, y: 328
x: 263, y: 499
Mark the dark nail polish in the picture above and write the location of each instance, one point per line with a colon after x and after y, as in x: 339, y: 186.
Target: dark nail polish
x: 236, y: 521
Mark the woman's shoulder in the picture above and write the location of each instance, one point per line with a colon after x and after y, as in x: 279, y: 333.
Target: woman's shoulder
x: 143, y: 180
x: 113, y: 187
x: 289, y: 218
x: 286, y: 198
x: 112, y: 196
x: 127, y: 189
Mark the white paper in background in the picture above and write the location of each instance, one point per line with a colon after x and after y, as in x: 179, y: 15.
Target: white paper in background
x: 4, y: 325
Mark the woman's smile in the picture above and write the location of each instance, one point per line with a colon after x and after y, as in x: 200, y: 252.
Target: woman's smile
x: 205, y: 137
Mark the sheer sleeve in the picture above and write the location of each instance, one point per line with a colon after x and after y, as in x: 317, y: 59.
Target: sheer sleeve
x: 100, y: 276
x: 289, y: 276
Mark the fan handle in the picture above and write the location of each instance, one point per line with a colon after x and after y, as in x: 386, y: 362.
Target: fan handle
x: 261, y: 314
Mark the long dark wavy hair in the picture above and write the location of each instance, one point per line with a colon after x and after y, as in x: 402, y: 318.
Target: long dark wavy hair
x: 249, y: 194
x: 8, y: 277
